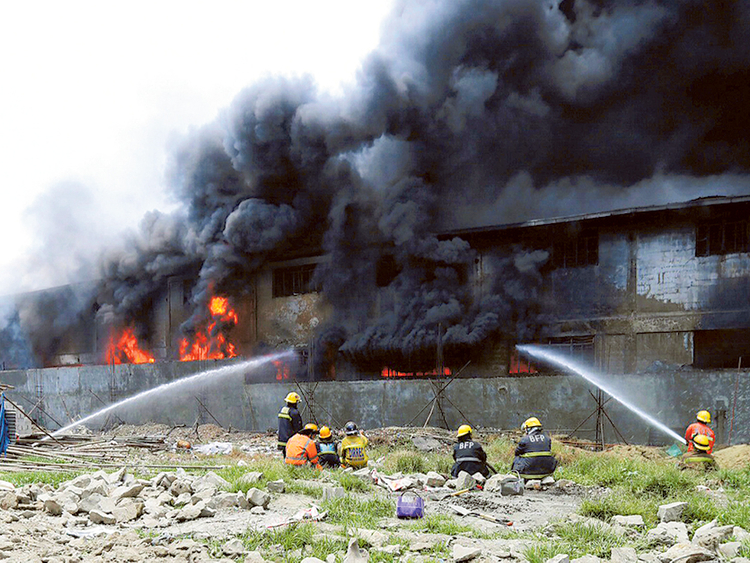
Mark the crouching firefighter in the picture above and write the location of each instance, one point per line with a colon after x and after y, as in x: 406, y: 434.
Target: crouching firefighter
x: 468, y: 454
x: 534, y: 458
x: 301, y: 448
x: 327, y: 448
x: 699, y: 458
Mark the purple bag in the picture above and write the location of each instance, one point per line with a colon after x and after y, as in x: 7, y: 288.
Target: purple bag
x: 411, y: 506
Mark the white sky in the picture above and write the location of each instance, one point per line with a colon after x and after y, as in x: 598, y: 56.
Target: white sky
x: 92, y: 91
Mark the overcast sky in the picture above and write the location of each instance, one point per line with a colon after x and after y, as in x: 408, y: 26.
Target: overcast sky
x: 94, y: 92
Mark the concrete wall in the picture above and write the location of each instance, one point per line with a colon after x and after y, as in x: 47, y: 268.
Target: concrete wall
x: 242, y: 395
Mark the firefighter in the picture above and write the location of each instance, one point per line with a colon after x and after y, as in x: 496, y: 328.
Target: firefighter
x: 353, y: 448
x: 327, y: 448
x: 290, y: 421
x: 700, y: 426
x: 534, y: 458
x: 468, y: 454
x: 699, y: 458
x: 301, y: 448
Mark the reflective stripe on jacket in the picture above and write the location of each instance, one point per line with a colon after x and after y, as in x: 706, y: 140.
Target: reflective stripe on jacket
x: 699, y: 428
x: 352, y: 451
x: 300, y: 450
x: 534, y: 458
x: 290, y: 422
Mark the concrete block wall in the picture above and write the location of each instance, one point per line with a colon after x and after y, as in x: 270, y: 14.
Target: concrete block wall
x: 240, y: 396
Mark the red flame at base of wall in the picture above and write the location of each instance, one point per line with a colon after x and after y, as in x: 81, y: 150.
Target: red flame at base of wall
x: 125, y: 349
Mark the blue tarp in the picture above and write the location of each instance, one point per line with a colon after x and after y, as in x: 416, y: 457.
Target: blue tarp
x: 4, y: 430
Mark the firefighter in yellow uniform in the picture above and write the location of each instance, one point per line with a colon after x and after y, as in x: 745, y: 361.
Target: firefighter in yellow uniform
x: 301, y: 448
x: 353, y: 448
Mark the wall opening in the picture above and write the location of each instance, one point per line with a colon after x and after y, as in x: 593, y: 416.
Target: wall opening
x: 717, y: 349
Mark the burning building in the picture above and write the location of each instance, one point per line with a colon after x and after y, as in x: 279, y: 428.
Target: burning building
x: 574, y: 173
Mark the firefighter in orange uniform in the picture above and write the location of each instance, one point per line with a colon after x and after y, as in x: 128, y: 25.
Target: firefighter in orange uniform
x: 700, y: 426
x: 301, y: 448
x: 352, y: 448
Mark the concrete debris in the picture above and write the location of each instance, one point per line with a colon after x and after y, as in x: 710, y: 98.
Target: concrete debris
x: 560, y: 558
x: 711, y: 535
x: 624, y: 555
x: 276, y: 486
x: 354, y: 554
x: 256, y: 497
x: 233, y: 548
x: 729, y: 550
x: 434, y: 479
x: 669, y: 533
x: 425, y: 443
x: 634, y: 521
x: 586, y: 559
x: 534, y: 484
x: 479, y: 478
x: 548, y: 481
x: 465, y: 481
x: 740, y: 534
x: 671, y: 512
x: 686, y: 553
x: 461, y: 553
x: 312, y: 560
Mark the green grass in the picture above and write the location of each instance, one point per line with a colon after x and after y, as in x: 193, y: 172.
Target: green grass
x: 575, y: 539
x: 272, y: 470
x: 439, y: 524
x: 349, y: 511
x: 351, y: 483
x: 304, y: 488
x: 54, y: 478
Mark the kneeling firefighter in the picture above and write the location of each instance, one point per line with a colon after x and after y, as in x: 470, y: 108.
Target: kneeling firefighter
x: 534, y: 458
x: 468, y: 454
x: 301, y: 448
x: 699, y: 458
x: 327, y: 448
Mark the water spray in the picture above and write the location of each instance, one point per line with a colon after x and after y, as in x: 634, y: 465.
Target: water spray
x: 208, y: 374
x: 571, y: 365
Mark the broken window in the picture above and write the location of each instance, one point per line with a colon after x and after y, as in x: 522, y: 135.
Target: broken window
x: 577, y: 250
x: 726, y: 237
x: 295, y: 280
x: 580, y: 348
x: 716, y: 349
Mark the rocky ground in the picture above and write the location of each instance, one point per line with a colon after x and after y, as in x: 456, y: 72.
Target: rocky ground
x: 174, y: 515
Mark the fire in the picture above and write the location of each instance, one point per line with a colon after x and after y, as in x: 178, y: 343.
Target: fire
x: 126, y: 349
x: 388, y: 372
x: 212, y: 344
x: 282, y: 370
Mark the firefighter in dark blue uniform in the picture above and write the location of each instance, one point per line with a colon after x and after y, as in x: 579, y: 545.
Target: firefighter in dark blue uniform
x: 468, y: 454
x: 290, y: 421
x: 534, y: 458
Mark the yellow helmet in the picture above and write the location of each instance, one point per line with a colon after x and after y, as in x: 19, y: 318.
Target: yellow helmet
x: 292, y: 398
x: 325, y: 433
x: 704, y: 416
x: 701, y: 442
x: 463, y: 430
x: 312, y: 427
x: 531, y: 423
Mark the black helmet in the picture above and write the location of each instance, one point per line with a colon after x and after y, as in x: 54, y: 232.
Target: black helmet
x: 350, y: 428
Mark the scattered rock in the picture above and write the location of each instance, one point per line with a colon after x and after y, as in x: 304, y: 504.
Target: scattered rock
x: 256, y: 497
x: 635, y: 520
x: 251, y: 478
x: 8, y: 499
x: 312, y: 560
x: 479, y: 478
x: 434, y: 479
x: 465, y: 481
x: 686, y: 553
x: 233, y: 548
x: 740, y: 534
x: 669, y: 533
x: 560, y: 558
x: 276, y: 486
x: 624, y: 555
x: 534, y: 484
x: 730, y: 549
x: 425, y: 443
x: 671, y: 512
x: 354, y: 554
x: 711, y: 535
x: 461, y: 553
x: 548, y: 481
x: 586, y: 559
x: 98, y: 517
x: 53, y: 507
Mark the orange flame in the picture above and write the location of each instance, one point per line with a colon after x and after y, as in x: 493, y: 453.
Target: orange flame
x: 206, y: 345
x: 282, y: 369
x: 126, y: 349
x: 388, y: 372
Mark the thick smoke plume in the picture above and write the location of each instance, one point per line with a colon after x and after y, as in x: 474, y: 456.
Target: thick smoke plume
x: 469, y: 112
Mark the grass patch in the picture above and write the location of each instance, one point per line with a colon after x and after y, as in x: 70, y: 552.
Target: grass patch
x: 576, y: 539
x: 304, y: 488
x: 439, y: 524
x: 54, y: 478
x: 351, y: 483
x: 352, y: 512
x: 272, y: 470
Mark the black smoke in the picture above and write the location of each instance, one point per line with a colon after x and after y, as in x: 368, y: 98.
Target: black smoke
x: 469, y: 112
